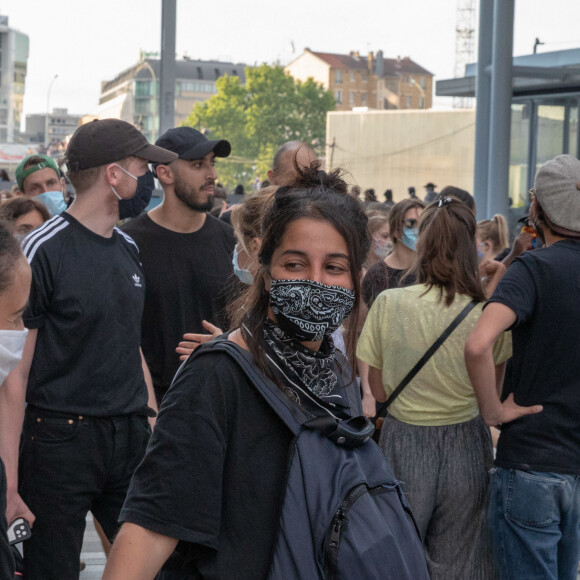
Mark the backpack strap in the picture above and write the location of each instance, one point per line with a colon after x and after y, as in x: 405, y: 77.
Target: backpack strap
x: 350, y: 432
x: 382, y: 410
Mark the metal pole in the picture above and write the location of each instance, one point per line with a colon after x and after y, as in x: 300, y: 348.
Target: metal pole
x: 500, y: 117
x: 167, y: 63
x: 482, y: 95
x: 46, y: 140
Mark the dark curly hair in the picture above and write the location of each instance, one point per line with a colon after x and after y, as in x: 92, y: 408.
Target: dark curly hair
x: 313, y: 194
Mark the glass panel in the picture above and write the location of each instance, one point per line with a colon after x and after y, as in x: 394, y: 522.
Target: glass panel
x: 520, y: 136
x: 550, y: 132
x: 573, y: 124
x: 143, y: 88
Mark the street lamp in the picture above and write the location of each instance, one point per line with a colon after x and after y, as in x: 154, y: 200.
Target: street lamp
x: 145, y: 64
x: 46, y: 141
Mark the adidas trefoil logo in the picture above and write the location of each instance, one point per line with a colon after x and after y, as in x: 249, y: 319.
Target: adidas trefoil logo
x: 137, y: 280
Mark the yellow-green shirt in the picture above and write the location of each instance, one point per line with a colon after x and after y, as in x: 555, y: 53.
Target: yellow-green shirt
x: 401, y: 325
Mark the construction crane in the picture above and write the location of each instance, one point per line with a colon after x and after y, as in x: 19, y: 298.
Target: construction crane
x: 465, y: 23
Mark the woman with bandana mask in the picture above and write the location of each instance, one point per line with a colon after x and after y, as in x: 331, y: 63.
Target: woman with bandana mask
x: 214, y: 476
x: 15, y: 277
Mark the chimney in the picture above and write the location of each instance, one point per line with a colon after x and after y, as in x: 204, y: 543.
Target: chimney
x: 380, y: 65
x: 355, y: 54
x: 371, y: 61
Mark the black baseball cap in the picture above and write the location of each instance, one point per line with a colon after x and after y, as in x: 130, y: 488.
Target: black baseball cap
x: 191, y: 144
x: 105, y: 141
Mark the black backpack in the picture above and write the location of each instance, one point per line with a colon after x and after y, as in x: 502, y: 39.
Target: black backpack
x: 344, y: 515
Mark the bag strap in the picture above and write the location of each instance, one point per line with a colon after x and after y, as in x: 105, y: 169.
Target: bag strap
x: 350, y: 432
x: 382, y: 410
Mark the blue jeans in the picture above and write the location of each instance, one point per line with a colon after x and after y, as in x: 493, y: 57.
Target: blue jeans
x: 68, y: 466
x: 535, y: 523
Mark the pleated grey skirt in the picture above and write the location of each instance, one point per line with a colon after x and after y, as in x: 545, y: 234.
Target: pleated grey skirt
x: 444, y: 474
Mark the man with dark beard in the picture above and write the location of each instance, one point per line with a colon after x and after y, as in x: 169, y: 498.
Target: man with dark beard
x: 186, y: 253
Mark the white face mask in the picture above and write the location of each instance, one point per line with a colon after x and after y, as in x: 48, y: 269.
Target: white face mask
x: 11, y: 347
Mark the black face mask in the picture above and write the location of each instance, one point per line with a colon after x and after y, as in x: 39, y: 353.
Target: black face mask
x: 132, y: 207
x: 308, y: 311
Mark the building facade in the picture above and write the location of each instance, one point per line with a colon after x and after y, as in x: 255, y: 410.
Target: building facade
x: 133, y: 94
x: 371, y: 81
x: 14, y: 48
x: 60, y: 124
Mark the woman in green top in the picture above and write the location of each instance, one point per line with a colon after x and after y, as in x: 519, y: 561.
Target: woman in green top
x: 433, y: 437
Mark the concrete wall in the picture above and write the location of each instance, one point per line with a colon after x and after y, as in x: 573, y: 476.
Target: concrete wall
x: 397, y: 149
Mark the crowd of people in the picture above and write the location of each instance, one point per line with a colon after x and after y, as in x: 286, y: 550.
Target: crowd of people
x: 135, y: 346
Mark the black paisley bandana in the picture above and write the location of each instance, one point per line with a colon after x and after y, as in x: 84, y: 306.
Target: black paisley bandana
x: 308, y: 311
x: 302, y: 368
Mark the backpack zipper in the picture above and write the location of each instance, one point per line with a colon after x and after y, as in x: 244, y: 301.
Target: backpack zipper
x: 339, y: 522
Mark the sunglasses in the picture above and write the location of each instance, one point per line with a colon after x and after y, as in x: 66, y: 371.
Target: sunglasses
x: 411, y: 223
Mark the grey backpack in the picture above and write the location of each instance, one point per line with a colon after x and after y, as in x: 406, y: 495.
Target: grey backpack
x: 344, y: 515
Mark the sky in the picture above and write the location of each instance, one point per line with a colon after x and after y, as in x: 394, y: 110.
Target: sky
x: 86, y: 42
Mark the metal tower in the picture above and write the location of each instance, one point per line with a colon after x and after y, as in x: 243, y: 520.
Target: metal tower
x: 465, y: 26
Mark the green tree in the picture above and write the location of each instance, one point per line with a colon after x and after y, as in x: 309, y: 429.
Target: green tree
x: 257, y: 118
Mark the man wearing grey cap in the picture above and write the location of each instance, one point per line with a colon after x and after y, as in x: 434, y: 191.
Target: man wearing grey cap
x: 535, y: 491
x: 186, y: 253
x: 85, y: 427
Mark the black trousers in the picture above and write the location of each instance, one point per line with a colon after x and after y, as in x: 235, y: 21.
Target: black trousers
x: 69, y: 465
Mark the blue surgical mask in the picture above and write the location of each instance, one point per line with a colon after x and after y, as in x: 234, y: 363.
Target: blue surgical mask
x: 245, y: 276
x: 132, y: 207
x: 53, y: 201
x: 480, y: 254
x: 409, y: 238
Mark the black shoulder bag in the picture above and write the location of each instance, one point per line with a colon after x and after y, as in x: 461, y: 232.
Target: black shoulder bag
x: 382, y: 410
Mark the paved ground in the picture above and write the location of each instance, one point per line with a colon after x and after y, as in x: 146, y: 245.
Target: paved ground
x: 92, y: 553
x: 94, y: 556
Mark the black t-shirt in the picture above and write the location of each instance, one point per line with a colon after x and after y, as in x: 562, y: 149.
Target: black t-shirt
x: 214, y: 473
x: 86, y: 301
x: 543, y: 289
x: 188, y: 277
x: 381, y: 277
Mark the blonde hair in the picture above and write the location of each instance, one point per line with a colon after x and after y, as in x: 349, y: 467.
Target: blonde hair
x: 495, y: 231
x: 376, y: 221
x: 247, y: 216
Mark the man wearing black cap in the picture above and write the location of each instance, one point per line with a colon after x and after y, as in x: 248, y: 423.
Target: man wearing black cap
x: 534, y: 508
x: 186, y: 253
x: 82, y: 374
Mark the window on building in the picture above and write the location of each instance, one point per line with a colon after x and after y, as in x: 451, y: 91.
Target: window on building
x: 143, y: 88
x: 338, y: 97
x: 351, y: 76
x: 365, y: 77
x: 351, y: 97
x: 421, y: 102
x: 217, y: 73
x: 407, y: 102
x: 338, y: 77
x: 199, y: 73
x: 364, y: 98
x: 422, y: 82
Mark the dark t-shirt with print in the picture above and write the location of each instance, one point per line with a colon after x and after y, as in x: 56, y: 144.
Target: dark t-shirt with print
x: 86, y: 300
x: 542, y: 287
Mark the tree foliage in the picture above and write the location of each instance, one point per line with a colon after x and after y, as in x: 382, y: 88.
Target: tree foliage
x: 257, y: 118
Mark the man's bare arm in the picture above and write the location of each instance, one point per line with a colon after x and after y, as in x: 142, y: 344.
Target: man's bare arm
x: 496, y: 318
